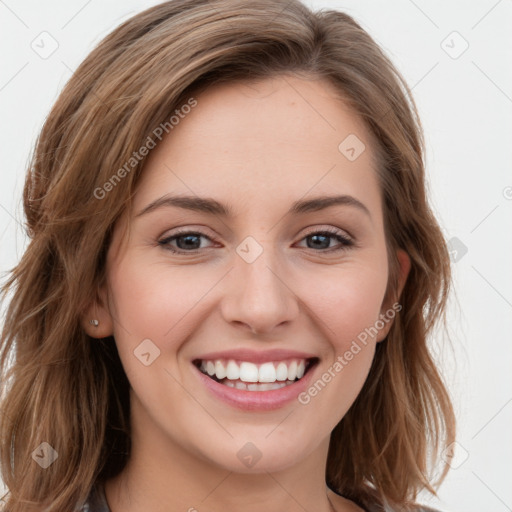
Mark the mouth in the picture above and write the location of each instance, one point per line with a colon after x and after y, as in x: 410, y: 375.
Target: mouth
x: 249, y: 376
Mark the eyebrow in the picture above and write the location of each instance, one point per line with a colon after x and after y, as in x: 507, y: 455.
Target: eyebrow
x: 214, y: 207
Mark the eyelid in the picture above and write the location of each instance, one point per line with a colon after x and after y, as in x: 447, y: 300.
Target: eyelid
x: 329, y: 229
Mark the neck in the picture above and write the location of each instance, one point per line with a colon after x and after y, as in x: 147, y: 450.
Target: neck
x: 147, y: 484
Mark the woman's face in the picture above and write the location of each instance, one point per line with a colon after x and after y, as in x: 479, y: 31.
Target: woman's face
x: 257, y: 274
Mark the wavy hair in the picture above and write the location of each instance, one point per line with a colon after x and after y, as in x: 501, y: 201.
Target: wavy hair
x: 62, y: 387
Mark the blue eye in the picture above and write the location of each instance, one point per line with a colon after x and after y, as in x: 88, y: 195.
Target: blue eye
x: 189, y: 242
x: 322, y: 239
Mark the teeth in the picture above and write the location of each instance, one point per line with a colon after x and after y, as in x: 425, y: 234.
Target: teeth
x: 220, y: 370
x: 300, y: 369
x: 292, y: 370
x: 282, y: 371
x: 266, y: 386
x: 256, y: 386
x: 266, y: 373
x: 248, y: 372
x: 210, y: 368
x: 232, y: 371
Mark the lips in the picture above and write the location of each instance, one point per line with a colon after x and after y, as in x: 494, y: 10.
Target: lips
x: 248, y: 372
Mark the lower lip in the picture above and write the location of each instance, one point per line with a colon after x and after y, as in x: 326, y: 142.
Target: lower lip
x: 256, y: 400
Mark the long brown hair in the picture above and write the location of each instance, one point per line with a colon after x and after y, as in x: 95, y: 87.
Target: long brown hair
x: 64, y: 388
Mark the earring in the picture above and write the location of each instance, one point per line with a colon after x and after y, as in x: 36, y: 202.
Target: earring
x: 94, y: 322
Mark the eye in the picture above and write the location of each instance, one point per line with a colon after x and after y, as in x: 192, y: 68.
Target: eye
x: 186, y: 241
x: 320, y: 240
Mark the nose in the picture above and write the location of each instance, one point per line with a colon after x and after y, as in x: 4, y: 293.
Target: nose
x: 259, y: 295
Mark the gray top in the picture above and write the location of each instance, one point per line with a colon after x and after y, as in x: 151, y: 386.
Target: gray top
x: 97, y: 502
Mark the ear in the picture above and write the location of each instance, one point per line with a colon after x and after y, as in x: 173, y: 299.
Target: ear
x: 98, y: 310
x: 388, y: 311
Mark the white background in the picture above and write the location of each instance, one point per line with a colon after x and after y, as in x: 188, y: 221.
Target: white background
x: 465, y: 104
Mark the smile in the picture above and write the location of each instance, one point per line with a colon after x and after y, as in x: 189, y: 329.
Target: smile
x: 255, y: 377
x: 249, y: 376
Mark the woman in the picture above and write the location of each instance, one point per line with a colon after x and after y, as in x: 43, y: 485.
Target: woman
x: 232, y: 274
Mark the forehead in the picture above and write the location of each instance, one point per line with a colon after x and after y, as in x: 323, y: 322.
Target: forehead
x: 263, y: 143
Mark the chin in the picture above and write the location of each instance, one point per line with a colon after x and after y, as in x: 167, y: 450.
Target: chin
x: 260, y: 451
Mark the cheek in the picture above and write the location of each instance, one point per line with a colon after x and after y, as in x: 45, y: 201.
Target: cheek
x: 151, y: 300
x: 347, y: 308
x: 347, y: 302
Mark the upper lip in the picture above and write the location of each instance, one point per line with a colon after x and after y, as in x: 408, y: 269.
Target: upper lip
x: 255, y: 356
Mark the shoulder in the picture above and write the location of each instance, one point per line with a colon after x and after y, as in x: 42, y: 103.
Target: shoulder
x: 96, y: 501
x: 387, y: 508
x: 424, y: 508
x: 372, y: 504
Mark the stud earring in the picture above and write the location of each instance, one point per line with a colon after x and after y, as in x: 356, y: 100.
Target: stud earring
x: 94, y: 322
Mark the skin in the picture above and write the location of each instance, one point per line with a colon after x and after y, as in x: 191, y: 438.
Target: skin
x: 256, y: 147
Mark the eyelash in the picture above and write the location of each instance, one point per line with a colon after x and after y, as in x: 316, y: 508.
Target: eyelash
x: 346, y: 242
